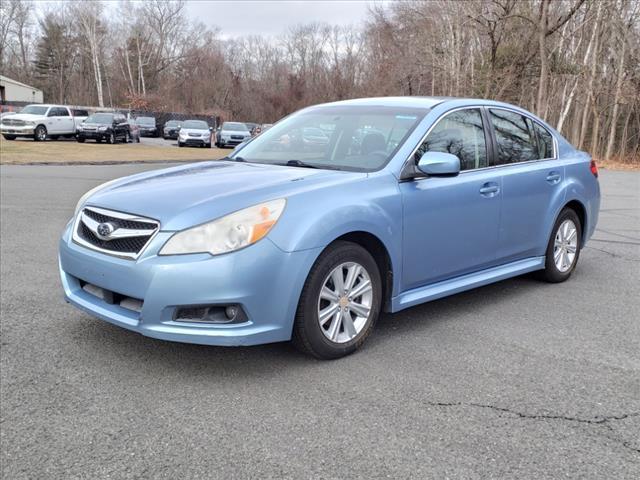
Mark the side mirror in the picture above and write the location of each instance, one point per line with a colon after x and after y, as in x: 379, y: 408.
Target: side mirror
x: 438, y: 164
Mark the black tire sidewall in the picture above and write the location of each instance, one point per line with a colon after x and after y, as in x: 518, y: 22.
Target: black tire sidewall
x: 308, y: 333
x: 36, y: 135
x: 551, y: 272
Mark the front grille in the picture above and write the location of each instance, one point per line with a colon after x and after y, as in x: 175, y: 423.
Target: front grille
x: 13, y: 122
x: 237, y: 137
x: 125, y: 236
x: 121, y: 222
x: 125, y: 245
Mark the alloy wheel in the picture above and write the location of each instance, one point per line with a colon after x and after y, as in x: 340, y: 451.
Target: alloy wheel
x: 565, y: 246
x: 345, y: 302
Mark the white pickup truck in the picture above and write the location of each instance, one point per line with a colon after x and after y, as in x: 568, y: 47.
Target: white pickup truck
x: 42, y: 121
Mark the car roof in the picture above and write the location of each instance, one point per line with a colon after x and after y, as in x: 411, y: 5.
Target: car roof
x: 417, y: 102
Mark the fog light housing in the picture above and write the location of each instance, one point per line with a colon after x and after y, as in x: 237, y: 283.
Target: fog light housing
x: 214, y: 314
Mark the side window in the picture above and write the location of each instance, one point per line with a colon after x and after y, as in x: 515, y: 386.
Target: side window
x: 516, y: 141
x: 461, y: 134
x: 545, y: 141
x: 61, y: 112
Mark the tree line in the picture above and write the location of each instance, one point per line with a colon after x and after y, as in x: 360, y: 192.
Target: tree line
x: 576, y: 63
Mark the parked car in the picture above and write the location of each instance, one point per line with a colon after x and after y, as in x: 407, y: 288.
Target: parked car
x: 134, y: 130
x: 278, y: 242
x: 195, y: 133
x: 171, y: 129
x: 148, y: 126
x: 41, y: 122
x: 232, y: 134
x: 108, y: 127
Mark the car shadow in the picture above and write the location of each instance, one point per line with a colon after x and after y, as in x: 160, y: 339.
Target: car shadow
x: 117, y: 344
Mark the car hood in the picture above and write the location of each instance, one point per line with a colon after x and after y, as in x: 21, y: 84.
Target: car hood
x: 189, y: 195
x: 234, y: 132
x: 93, y: 124
x: 199, y: 131
x: 28, y: 117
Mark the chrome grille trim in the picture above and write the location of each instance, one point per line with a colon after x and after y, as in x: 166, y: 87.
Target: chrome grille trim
x: 85, y: 221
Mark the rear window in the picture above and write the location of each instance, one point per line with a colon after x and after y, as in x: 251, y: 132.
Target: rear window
x: 80, y: 113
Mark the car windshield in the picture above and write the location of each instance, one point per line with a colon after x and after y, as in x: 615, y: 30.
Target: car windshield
x: 173, y: 123
x: 34, y: 110
x: 100, y: 118
x: 354, y: 138
x: 238, y: 127
x: 146, y: 121
x: 196, y: 124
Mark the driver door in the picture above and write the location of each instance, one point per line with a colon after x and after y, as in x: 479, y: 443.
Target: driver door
x: 451, y: 224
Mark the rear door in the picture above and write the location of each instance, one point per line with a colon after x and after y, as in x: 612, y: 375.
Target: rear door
x: 532, y: 178
x: 61, y: 121
x: 450, y: 224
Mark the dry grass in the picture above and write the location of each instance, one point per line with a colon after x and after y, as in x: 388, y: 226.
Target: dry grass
x: 618, y: 164
x: 24, y: 152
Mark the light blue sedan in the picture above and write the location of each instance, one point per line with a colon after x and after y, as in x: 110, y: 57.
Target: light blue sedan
x: 391, y: 203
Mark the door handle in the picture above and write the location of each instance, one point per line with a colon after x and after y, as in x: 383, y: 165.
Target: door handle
x: 553, y: 178
x: 489, y: 189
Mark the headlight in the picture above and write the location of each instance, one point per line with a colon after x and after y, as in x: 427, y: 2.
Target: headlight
x: 79, y: 128
x: 84, y: 197
x: 30, y: 124
x: 102, y: 129
x: 226, y: 234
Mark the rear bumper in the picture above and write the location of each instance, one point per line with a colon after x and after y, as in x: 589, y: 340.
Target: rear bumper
x: 263, y: 279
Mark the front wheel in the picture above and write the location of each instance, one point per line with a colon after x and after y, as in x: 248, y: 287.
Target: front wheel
x: 180, y: 144
x: 40, y: 134
x: 112, y: 138
x: 80, y: 140
x: 340, y: 302
x: 563, y: 248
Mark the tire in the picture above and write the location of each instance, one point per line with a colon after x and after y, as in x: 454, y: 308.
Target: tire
x: 313, y: 338
x: 127, y: 138
x: 9, y: 137
x: 137, y: 139
x: 80, y: 140
x: 40, y: 133
x: 180, y: 144
x: 98, y: 140
x: 208, y: 145
x: 563, y: 249
x: 112, y: 139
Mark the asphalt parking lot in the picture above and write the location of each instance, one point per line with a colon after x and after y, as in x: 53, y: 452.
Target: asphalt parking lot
x: 519, y: 379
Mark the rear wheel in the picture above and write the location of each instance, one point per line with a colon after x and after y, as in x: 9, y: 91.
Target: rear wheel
x: 40, y: 133
x: 563, y: 249
x: 340, y: 302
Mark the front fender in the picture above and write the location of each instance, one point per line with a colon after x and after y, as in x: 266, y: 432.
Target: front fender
x: 372, y: 204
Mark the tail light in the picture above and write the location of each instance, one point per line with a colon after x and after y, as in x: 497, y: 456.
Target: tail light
x: 594, y: 168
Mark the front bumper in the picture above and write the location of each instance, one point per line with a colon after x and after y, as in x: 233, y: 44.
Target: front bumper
x: 263, y: 279
x: 195, y: 141
x: 26, y: 130
x: 170, y: 134
x: 93, y: 135
x: 232, y: 141
x: 150, y: 132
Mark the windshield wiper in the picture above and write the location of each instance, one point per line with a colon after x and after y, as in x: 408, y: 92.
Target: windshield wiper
x: 298, y: 163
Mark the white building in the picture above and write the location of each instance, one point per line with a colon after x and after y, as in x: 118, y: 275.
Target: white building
x: 14, y: 91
